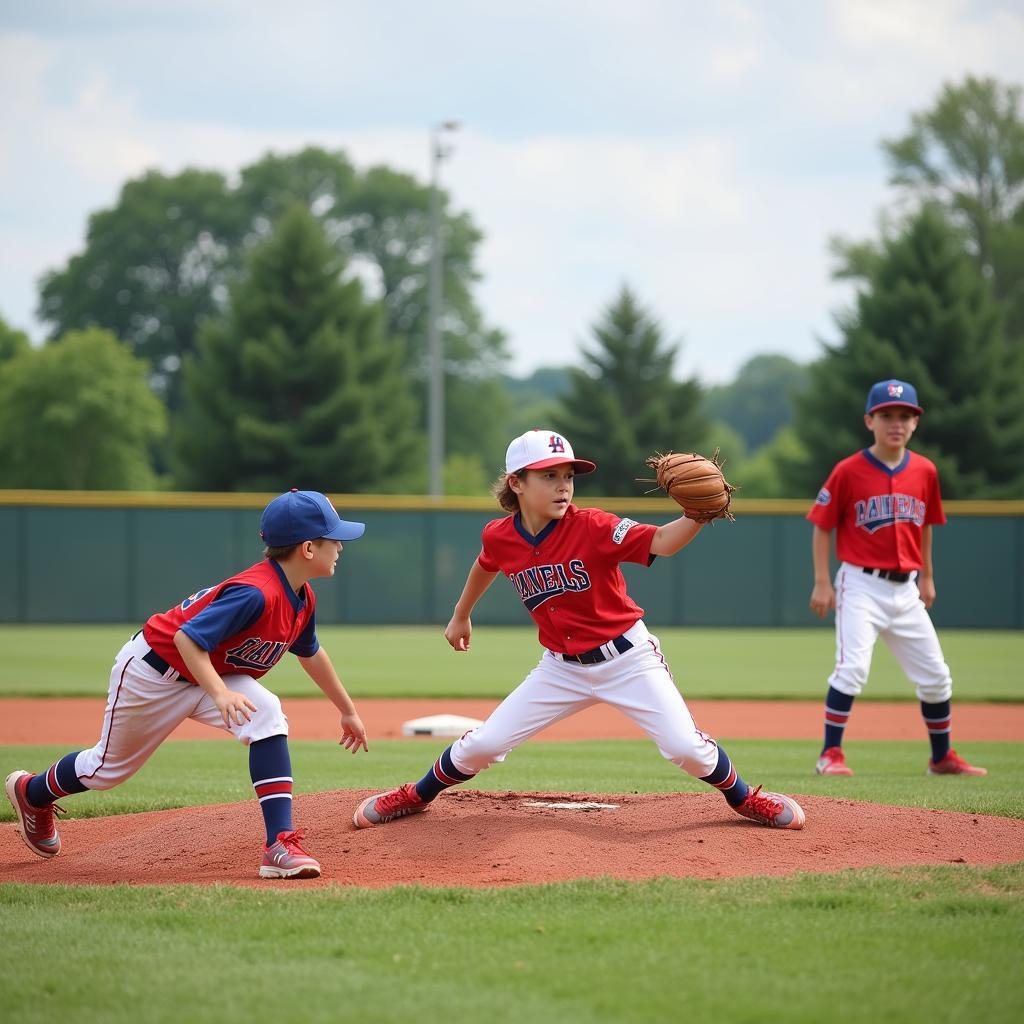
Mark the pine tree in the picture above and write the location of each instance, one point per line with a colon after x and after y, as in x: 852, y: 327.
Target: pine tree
x: 624, y: 403
x: 298, y: 385
x: 925, y: 316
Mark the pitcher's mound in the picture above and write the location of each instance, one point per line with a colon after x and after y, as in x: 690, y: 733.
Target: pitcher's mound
x: 473, y: 838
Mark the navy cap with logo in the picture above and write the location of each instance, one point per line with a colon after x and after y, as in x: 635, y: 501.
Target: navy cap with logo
x: 892, y: 392
x: 297, y: 516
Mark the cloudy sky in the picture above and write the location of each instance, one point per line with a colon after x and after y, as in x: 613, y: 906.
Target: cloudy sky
x: 701, y: 152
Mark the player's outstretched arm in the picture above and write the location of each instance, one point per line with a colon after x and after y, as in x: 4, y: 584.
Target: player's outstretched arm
x: 233, y: 707
x: 460, y: 628
x: 674, y: 536
x: 320, y: 669
x: 823, y: 596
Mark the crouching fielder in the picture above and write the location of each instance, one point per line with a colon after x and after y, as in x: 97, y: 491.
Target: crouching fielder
x: 564, y: 563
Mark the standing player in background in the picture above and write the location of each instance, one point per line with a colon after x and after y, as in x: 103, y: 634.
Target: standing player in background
x: 202, y: 659
x: 564, y: 563
x: 882, y: 502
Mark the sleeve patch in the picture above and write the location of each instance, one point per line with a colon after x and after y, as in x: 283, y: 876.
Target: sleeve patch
x: 620, y: 531
x: 824, y: 497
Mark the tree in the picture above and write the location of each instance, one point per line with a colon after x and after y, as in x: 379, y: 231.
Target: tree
x: 966, y: 154
x: 153, y: 267
x: 760, y: 400
x: 78, y: 414
x: 624, y: 403
x: 299, y: 384
x: 12, y: 343
x: 925, y: 316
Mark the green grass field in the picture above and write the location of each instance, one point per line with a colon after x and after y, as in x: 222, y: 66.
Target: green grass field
x: 914, y: 945
x: 415, y: 661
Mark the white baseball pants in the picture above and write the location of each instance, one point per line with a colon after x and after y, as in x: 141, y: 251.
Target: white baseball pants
x: 868, y: 607
x: 145, y: 707
x: 638, y: 683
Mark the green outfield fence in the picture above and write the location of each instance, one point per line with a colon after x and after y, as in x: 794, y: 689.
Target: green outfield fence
x: 100, y: 556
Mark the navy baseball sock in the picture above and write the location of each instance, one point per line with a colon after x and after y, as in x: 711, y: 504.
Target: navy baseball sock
x: 440, y: 777
x: 725, y: 778
x: 937, y: 720
x: 57, y: 781
x: 837, y: 713
x: 270, y: 768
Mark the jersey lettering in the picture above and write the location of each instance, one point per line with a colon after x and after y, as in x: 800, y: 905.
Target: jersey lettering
x: 881, y: 510
x: 540, y: 583
x: 255, y: 653
x: 620, y: 531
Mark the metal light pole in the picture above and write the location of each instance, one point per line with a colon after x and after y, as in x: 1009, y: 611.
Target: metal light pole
x: 435, y: 405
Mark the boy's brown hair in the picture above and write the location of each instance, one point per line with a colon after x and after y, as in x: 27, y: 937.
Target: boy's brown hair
x: 280, y: 554
x: 502, y: 491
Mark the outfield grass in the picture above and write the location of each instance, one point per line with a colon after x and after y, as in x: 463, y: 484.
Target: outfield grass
x: 415, y: 661
x: 926, y: 945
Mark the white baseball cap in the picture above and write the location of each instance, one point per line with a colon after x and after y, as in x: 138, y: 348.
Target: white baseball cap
x: 537, y: 449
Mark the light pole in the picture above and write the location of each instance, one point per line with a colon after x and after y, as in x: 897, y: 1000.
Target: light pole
x: 435, y: 403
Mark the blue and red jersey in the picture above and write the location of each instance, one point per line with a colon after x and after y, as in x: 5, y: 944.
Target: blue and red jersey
x: 878, y: 512
x: 568, y: 575
x: 258, y: 618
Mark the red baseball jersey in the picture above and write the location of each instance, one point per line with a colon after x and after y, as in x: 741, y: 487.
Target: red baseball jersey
x: 878, y: 512
x: 256, y: 649
x: 568, y: 576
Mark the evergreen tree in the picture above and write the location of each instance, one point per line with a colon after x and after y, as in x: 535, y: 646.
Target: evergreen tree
x: 624, y: 404
x: 299, y: 385
x: 926, y: 316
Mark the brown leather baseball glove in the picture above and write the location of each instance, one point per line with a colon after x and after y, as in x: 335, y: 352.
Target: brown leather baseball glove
x: 695, y: 483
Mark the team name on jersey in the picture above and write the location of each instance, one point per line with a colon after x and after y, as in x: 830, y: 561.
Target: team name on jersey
x: 880, y: 510
x: 255, y: 653
x: 539, y: 583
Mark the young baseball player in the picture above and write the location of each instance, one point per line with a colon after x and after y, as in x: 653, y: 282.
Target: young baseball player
x: 882, y: 502
x: 203, y: 659
x: 563, y: 562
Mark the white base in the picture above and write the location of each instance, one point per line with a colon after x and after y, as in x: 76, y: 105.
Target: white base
x: 439, y: 725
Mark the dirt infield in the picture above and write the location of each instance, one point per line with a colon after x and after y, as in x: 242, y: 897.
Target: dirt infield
x: 472, y: 838
x: 78, y: 720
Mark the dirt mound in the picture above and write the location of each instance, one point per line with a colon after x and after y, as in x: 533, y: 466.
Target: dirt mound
x: 473, y: 838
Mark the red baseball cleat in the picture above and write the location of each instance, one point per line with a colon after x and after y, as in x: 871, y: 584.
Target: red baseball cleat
x: 385, y: 807
x: 954, y: 764
x: 832, y: 762
x: 287, y: 859
x: 772, y: 809
x: 35, y: 824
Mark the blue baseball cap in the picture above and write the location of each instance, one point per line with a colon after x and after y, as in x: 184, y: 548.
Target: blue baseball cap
x: 304, y: 515
x: 892, y: 392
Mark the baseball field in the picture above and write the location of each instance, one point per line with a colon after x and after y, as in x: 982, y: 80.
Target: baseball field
x: 901, y: 900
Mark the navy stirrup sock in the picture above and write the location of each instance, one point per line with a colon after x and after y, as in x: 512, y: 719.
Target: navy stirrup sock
x: 837, y: 714
x: 57, y: 781
x: 270, y: 768
x: 937, y: 719
x: 440, y: 777
x: 726, y: 778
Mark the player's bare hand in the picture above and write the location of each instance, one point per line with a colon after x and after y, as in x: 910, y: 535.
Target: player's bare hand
x: 458, y: 632
x: 823, y: 599
x: 234, y: 707
x: 926, y: 588
x: 353, y: 734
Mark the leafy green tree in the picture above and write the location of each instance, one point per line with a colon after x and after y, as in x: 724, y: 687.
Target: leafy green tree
x: 966, y: 153
x: 760, y: 400
x: 12, y: 343
x: 78, y: 414
x: 759, y: 475
x: 299, y: 385
x: 925, y: 316
x: 624, y: 403
x: 152, y: 268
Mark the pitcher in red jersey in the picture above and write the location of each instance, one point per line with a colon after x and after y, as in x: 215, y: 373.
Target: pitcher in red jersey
x: 203, y: 659
x: 563, y: 562
x: 882, y: 503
